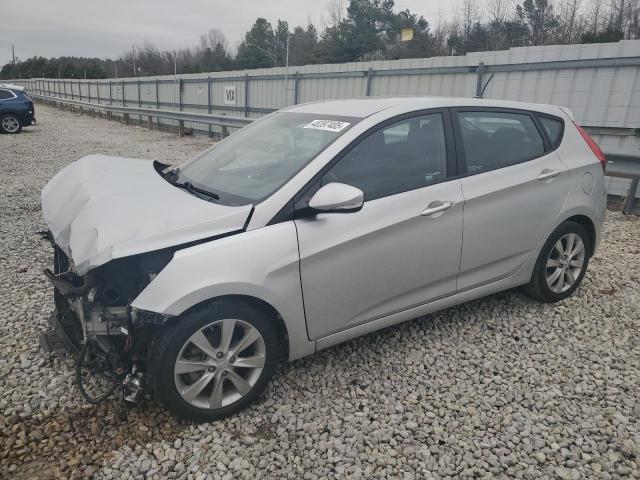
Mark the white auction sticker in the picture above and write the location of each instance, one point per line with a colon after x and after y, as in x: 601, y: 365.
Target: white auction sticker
x: 329, y: 125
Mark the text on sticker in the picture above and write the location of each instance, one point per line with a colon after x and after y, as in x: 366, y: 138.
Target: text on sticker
x: 329, y: 125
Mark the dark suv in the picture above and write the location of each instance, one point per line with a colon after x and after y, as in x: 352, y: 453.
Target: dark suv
x: 16, y: 109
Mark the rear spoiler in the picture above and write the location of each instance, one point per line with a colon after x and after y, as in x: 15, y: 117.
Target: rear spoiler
x: 568, y: 112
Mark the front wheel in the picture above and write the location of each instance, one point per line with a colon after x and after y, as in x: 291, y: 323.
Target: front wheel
x: 561, y: 264
x: 214, y: 361
x: 9, y: 123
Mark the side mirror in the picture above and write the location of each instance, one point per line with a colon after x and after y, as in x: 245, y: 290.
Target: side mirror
x: 337, y: 197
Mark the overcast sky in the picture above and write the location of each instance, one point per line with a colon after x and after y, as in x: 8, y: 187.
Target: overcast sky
x: 106, y: 28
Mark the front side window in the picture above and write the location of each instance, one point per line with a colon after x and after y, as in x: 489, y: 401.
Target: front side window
x: 406, y: 155
x: 254, y: 162
x: 494, y: 140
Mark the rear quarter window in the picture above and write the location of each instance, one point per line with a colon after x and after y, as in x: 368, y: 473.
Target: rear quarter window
x: 553, y: 128
x: 6, y: 94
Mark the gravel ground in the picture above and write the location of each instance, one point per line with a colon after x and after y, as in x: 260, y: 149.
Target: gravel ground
x: 501, y: 387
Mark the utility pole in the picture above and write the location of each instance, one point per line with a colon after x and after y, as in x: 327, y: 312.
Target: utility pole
x: 134, y: 59
x: 286, y: 75
x: 13, y: 54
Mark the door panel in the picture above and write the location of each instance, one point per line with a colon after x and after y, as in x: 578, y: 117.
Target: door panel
x: 386, y: 258
x: 507, y: 213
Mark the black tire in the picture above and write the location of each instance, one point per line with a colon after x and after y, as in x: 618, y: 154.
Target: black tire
x: 13, y: 118
x: 167, y: 344
x: 538, y: 287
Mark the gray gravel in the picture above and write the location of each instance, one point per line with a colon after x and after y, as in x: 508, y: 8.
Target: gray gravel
x: 500, y: 387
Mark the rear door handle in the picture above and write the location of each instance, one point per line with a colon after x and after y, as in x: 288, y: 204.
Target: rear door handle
x: 437, y: 207
x: 548, y: 173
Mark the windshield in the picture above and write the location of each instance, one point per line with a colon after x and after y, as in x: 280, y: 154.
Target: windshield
x: 254, y: 162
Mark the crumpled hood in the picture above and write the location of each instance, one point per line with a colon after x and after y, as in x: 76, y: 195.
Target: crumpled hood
x: 100, y: 208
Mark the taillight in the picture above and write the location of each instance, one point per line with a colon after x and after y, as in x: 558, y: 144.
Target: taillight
x: 593, y: 146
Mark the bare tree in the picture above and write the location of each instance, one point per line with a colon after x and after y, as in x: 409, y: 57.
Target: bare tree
x: 570, y: 21
x: 618, y: 17
x: 440, y: 34
x: 499, y: 10
x: 469, y: 15
x: 212, y: 39
x: 335, y: 12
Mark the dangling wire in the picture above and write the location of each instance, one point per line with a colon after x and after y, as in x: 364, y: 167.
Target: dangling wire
x: 93, y: 400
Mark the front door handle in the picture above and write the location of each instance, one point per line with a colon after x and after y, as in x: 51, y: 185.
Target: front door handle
x: 437, y: 207
x: 547, y: 173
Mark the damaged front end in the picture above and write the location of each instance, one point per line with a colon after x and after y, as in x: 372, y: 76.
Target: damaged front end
x: 94, y: 320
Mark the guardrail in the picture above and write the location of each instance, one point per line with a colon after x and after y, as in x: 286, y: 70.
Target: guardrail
x: 625, y: 166
x: 223, y: 121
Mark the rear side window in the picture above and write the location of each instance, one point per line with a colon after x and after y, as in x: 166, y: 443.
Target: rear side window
x: 493, y: 140
x: 553, y: 129
x: 403, y: 156
x: 6, y: 94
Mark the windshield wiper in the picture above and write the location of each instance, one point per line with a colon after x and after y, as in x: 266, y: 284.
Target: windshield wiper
x: 172, y: 177
x: 189, y: 187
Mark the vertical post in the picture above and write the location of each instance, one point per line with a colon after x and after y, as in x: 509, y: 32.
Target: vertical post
x: 180, y: 122
x: 89, y: 90
x: 479, y: 71
x: 246, y: 95
x: 110, y: 94
x: 209, y: 102
x: 369, y: 77
x: 138, y: 86
x: 157, y: 102
x: 296, y: 88
x: 124, y: 99
x: 98, y: 90
x: 631, y: 197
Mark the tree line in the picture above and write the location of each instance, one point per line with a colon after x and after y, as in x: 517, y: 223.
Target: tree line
x: 363, y: 30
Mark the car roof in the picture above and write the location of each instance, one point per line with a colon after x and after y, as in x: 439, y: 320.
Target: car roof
x: 364, y: 107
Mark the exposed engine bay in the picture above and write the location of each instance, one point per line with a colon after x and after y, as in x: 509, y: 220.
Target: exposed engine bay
x: 93, y: 320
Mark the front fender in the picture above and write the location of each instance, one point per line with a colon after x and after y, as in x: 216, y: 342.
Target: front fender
x: 261, y: 263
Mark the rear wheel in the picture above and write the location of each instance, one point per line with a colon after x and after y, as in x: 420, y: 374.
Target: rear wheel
x: 561, y: 264
x: 213, y: 362
x: 9, y: 123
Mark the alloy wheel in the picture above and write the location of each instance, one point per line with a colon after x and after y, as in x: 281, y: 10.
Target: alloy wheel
x: 565, y: 263
x: 220, y: 363
x: 10, y: 124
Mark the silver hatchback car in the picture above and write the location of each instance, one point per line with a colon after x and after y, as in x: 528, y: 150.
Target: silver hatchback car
x: 314, y: 225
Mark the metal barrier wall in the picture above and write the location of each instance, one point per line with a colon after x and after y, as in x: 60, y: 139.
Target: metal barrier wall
x: 600, y: 83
